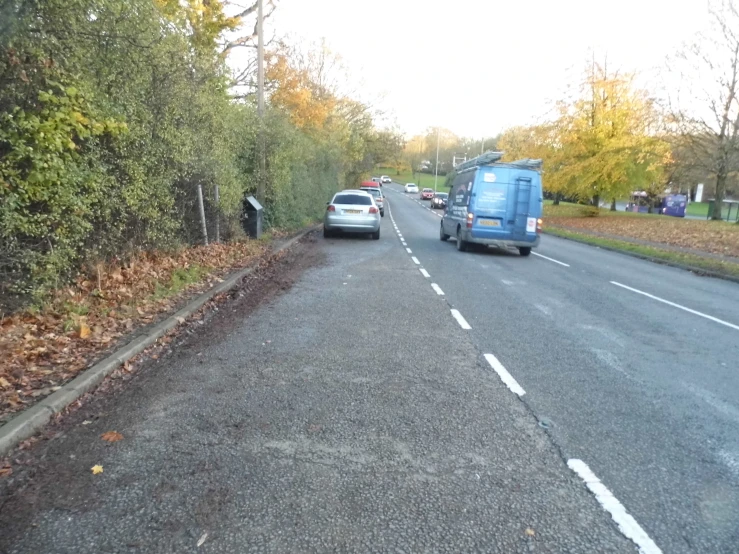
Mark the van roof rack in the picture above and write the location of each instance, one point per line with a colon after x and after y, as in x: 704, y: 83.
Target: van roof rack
x: 487, y: 158
x: 491, y: 157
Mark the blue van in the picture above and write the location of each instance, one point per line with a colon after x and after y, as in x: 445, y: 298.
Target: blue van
x: 495, y: 203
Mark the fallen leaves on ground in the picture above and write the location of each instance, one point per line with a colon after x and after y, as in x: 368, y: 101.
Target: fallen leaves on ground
x: 41, y: 350
x: 111, y: 436
x: 530, y: 532
x: 96, y: 469
x: 5, y: 470
x: 708, y: 236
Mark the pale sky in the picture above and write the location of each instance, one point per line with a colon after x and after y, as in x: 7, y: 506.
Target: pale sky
x: 480, y: 66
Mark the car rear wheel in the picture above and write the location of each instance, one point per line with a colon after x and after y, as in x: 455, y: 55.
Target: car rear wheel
x: 382, y: 213
x: 327, y: 234
x: 442, y: 235
x: 524, y: 250
x: 376, y: 235
x: 461, y: 244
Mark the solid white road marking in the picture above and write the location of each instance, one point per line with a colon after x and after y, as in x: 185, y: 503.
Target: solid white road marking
x: 461, y: 320
x: 506, y: 377
x: 424, y: 273
x: 415, y: 260
x: 550, y: 259
x: 626, y: 523
x: 437, y: 288
x: 678, y: 306
x: 409, y: 251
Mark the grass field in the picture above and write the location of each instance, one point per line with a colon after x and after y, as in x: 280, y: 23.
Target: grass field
x: 717, y: 237
x: 423, y: 180
x: 720, y: 267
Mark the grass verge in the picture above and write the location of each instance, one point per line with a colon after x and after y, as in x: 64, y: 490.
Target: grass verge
x: 691, y: 262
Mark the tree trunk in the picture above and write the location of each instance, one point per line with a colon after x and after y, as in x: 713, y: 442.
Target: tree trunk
x: 720, y: 191
x: 596, y: 200
x: 556, y: 199
x: 613, y: 205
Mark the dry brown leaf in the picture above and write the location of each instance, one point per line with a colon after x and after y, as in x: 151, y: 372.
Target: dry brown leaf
x: 5, y: 470
x: 84, y: 331
x: 4, y: 383
x: 111, y: 436
x: 96, y: 469
x: 530, y: 532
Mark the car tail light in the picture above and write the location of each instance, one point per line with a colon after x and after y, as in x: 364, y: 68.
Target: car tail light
x: 331, y: 208
x: 373, y: 210
x: 470, y: 219
x: 539, y: 223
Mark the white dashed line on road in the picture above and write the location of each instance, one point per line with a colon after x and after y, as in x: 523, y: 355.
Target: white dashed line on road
x: 506, y: 377
x: 437, y: 288
x: 626, y: 523
x: 409, y: 251
x: 424, y: 273
x: 461, y: 320
x: 404, y: 243
x: 415, y: 260
x: 550, y: 259
x: 678, y: 306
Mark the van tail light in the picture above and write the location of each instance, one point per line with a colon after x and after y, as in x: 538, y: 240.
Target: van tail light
x: 373, y: 210
x: 470, y: 219
x: 331, y: 208
x: 539, y: 223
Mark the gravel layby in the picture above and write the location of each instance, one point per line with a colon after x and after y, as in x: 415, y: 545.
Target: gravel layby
x: 310, y: 415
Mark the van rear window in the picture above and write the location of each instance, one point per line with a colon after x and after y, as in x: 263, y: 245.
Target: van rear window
x: 491, y: 196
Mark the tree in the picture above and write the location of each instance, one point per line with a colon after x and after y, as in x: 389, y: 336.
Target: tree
x: 706, y: 110
x: 607, y: 138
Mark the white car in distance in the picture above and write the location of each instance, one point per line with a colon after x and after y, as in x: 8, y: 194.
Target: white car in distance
x: 411, y: 187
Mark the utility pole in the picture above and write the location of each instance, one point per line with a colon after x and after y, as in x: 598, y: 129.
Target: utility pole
x: 436, y: 169
x: 482, y: 146
x: 260, y: 103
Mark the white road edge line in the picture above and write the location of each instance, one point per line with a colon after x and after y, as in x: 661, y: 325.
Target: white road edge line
x: 506, y: 377
x: 424, y: 273
x: 694, y: 312
x: 437, y: 288
x: 461, y: 320
x: 409, y: 251
x: 626, y: 523
x: 415, y: 260
x: 550, y: 259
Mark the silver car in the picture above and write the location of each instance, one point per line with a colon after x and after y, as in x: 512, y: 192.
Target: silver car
x: 379, y: 198
x: 352, y: 211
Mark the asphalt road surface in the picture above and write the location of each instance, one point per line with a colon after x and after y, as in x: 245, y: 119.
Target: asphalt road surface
x: 400, y: 396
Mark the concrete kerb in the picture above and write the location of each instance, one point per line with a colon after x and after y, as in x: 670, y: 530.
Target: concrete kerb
x: 35, y: 418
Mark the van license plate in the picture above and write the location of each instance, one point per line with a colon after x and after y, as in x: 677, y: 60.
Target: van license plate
x: 490, y: 222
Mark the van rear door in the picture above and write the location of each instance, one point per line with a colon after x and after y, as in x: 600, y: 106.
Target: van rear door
x: 522, y: 190
x: 492, y: 197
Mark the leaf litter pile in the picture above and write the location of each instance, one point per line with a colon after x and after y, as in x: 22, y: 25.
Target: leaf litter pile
x: 40, y: 350
x: 708, y: 236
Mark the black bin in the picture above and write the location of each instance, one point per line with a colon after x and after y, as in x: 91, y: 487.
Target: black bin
x: 253, y: 217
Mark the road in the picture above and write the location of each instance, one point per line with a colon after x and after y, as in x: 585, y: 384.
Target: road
x: 646, y: 393
x: 398, y: 395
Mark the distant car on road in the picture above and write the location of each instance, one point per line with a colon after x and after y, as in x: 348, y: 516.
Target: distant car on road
x: 439, y: 200
x: 352, y: 211
x: 411, y: 187
x: 385, y: 180
x: 427, y: 194
x: 376, y: 192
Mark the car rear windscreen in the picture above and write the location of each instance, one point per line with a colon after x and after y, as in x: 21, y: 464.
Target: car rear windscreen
x: 355, y: 199
x: 373, y: 192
